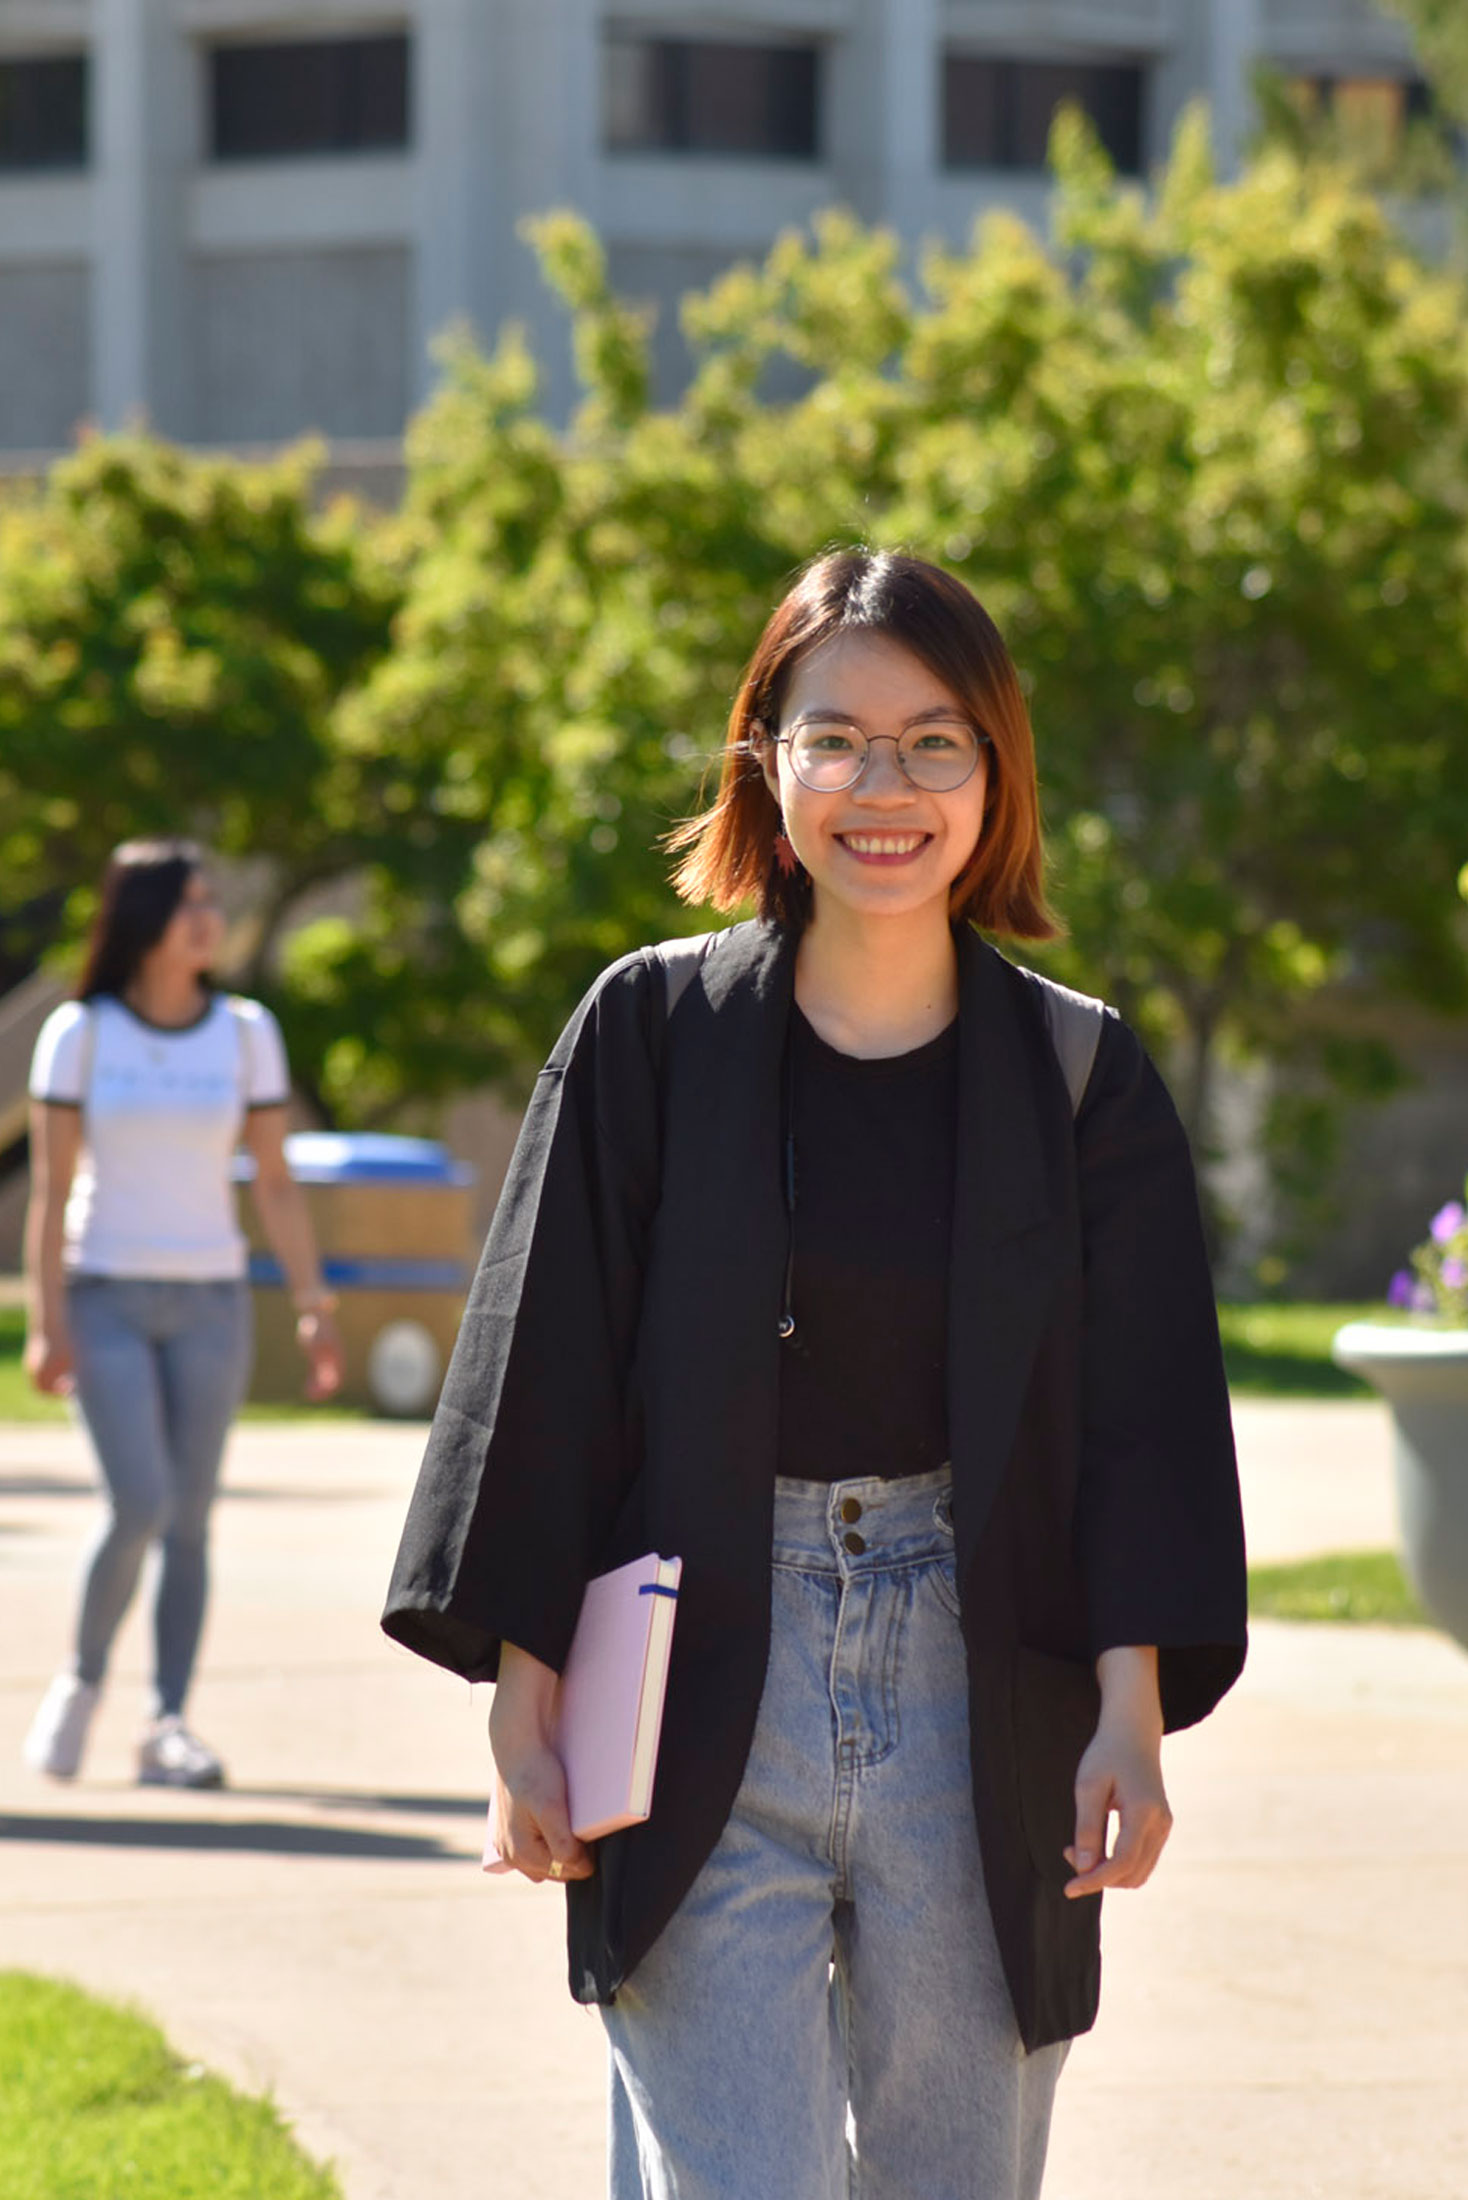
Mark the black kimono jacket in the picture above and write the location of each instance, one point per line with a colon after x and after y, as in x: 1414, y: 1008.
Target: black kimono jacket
x: 615, y: 1390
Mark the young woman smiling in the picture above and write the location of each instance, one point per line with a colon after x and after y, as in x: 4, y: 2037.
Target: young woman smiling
x: 812, y: 1270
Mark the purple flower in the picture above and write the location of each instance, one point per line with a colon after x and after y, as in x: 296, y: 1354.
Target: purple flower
x: 1423, y: 1300
x: 1400, y: 1290
x: 1448, y: 1221
x: 1455, y: 1274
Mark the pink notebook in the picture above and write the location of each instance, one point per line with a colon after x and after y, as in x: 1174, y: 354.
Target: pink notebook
x: 609, y: 1707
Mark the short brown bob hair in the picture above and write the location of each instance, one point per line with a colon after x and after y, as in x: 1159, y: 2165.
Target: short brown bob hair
x: 728, y: 851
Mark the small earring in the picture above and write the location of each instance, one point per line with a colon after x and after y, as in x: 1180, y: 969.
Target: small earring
x: 787, y: 862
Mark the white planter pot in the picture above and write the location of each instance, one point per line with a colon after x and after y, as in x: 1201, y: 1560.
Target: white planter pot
x: 1423, y: 1376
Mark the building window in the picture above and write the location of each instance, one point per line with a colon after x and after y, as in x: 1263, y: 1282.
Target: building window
x: 337, y: 95
x: 1371, y: 114
x: 684, y: 95
x: 997, y: 113
x: 43, y: 112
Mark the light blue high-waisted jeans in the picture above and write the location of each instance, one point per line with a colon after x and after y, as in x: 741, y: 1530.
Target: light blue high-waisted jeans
x: 825, y: 2015
x: 160, y: 1371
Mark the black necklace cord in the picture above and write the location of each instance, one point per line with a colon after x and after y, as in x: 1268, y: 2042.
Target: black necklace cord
x: 786, y: 1324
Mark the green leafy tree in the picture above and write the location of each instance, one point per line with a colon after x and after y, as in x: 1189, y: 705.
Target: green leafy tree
x: 1224, y: 516
x: 1416, y: 157
x: 1440, y: 34
x: 175, y: 633
x: 1410, y: 157
x: 578, y: 612
x: 1206, y: 460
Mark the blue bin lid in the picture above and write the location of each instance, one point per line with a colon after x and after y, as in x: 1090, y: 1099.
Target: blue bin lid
x: 364, y: 1157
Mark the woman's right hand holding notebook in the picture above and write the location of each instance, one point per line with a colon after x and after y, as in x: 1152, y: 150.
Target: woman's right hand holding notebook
x: 533, y: 1826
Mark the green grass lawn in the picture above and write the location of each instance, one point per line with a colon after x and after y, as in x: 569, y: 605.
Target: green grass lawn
x: 19, y: 1402
x: 1368, y: 1588
x: 94, y: 2104
x: 1270, y: 1351
x: 1274, y: 1350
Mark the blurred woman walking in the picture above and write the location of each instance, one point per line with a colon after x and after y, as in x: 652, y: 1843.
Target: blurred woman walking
x: 137, y: 1303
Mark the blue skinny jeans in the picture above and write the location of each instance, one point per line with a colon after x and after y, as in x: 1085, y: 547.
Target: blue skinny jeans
x: 160, y: 1371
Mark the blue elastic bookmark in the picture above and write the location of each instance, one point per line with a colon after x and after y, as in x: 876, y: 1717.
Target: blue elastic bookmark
x: 656, y: 1589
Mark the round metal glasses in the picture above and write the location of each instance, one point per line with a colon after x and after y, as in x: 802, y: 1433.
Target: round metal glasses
x: 829, y: 755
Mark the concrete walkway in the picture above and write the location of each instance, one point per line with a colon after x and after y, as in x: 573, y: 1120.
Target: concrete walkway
x: 1285, y: 2009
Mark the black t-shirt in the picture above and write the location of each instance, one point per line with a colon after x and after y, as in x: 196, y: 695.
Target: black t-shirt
x: 863, y: 1382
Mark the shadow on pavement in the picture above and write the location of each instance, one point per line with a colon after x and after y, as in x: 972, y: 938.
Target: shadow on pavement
x: 424, y: 1806
x: 302, y: 1493
x: 258, y: 1837
x: 297, y: 1493
x: 45, y: 1485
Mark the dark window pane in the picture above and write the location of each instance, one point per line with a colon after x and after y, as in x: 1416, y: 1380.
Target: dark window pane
x: 43, y: 112
x: 340, y: 95
x: 1112, y: 97
x: 972, y: 103
x: 665, y: 95
x: 1372, y: 114
x: 997, y: 113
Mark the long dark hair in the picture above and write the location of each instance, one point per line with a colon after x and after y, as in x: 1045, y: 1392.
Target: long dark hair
x: 142, y: 887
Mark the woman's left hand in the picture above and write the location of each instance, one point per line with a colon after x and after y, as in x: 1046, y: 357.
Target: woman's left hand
x: 317, y: 1337
x: 1121, y: 1771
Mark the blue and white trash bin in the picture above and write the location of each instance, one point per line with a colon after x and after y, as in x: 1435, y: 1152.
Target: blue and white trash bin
x: 394, y: 1221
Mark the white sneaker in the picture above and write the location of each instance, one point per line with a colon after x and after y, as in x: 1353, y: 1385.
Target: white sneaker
x: 170, y: 1756
x: 58, y: 1732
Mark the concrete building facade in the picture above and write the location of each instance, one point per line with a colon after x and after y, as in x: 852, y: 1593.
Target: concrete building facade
x: 242, y: 219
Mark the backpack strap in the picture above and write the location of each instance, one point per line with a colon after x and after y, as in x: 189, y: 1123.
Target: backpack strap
x: 1074, y: 1022
x: 680, y: 960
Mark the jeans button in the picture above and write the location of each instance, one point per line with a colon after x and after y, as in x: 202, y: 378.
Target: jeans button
x: 850, y: 1509
x: 855, y: 1543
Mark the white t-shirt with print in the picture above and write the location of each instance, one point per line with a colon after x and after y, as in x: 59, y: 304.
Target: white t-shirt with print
x: 161, y: 1115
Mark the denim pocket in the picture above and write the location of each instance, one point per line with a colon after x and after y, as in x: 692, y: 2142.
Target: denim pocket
x: 945, y: 1568
x: 943, y: 1574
